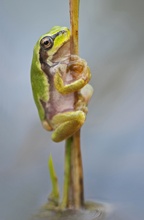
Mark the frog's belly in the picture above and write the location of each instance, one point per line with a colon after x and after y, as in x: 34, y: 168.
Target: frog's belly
x: 64, y: 103
x: 59, y: 103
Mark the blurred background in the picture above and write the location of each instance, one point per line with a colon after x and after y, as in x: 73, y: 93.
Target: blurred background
x: 112, y: 42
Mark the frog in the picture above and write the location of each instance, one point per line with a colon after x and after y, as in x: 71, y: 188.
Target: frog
x: 59, y: 82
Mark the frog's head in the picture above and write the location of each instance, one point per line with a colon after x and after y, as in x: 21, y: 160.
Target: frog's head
x: 54, y: 45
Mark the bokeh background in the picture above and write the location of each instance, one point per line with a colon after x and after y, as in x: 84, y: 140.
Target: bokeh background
x: 112, y: 42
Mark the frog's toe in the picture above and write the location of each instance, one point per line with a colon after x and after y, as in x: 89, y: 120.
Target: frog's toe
x: 46, y: 125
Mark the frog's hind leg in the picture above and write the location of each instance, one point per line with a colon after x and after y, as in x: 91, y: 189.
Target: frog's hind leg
x: 67, y: 124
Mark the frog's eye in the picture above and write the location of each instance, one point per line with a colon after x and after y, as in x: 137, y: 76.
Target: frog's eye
x: 47, y: 42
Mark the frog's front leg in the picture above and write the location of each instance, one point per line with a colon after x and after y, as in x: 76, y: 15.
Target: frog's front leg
x: 80, y: 72
x: 66, y: 124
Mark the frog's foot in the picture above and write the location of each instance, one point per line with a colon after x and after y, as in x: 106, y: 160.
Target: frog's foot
x: 79, y: 68
x: 46, y: 125
x: 76, y: 64
x: 67, y: 124
x: 81, y: 105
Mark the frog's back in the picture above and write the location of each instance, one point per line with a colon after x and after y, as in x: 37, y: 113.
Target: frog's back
x: 39, y: 85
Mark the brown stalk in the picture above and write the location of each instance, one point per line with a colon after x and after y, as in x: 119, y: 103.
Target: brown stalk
x: 77, y: 188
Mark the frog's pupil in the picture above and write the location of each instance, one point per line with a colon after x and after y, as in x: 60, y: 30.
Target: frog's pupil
x: 46, y: 42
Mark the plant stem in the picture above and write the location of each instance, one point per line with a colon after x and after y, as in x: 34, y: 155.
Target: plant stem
x: 65, y: 200
x: 76, y: 159
x: 74, y: 21
x: 73, y: 190
x: 54, y: 196
x: 77, y: 172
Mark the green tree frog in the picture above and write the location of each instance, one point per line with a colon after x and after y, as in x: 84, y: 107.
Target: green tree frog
x: 59, y: 84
